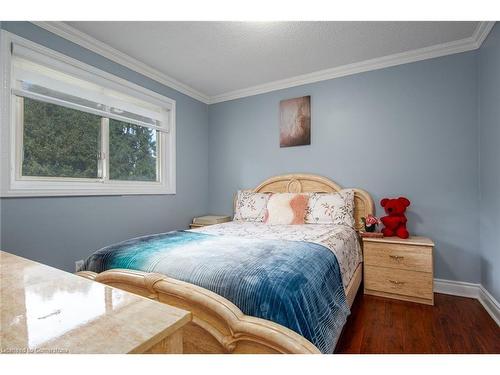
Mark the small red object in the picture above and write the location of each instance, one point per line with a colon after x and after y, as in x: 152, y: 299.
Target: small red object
x: 395, y: 221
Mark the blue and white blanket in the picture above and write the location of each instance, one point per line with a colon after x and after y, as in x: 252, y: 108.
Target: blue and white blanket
x: 293, y: 283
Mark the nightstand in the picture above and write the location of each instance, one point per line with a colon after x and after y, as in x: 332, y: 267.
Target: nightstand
x: 400, y: 269
x: 203, y: 221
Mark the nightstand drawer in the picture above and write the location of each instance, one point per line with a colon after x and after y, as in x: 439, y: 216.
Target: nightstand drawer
x: 405, y: 257
x: 396, y: 281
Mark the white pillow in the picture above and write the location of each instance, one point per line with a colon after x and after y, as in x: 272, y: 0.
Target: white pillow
x: 286, y: 209
x: 331, y: 208
x: 250, y: 206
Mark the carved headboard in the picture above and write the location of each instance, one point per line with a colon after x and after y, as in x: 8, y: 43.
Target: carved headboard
x: 309, y: 183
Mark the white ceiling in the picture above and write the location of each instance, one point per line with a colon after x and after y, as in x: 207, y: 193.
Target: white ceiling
x: 219, y: 58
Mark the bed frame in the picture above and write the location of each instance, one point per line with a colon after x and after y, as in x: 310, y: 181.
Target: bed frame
x: 218, y: 326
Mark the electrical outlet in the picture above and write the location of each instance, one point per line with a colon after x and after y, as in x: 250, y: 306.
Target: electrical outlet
x: 78, y: 265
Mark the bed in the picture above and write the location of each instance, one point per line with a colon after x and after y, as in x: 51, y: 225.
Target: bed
x: 328, y: 256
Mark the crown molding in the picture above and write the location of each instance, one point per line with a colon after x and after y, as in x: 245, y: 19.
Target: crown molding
x: 86, y: 41
x: 438, y: 50
x: 463, y: 45
x: 482, y: 31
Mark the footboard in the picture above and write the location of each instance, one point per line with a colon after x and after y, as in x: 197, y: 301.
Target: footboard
x: 218, y: 326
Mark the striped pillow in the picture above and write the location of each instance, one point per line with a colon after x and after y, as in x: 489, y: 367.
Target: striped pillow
x: 286, y: 208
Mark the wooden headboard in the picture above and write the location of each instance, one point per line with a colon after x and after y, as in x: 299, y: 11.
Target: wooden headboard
x: 310, y: 183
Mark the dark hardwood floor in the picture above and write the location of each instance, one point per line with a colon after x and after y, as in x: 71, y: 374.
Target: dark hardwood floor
x: 452, y: 325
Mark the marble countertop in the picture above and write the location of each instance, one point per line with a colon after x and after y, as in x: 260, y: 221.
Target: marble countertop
x: 46, y: 310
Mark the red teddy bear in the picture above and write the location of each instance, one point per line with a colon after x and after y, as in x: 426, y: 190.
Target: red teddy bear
x: 395, y: 221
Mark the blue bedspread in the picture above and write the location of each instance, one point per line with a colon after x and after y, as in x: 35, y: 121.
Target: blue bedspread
x: 295, y: 284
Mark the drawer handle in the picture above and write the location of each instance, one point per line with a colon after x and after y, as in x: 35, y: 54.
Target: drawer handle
x: 397, y: 282
x: 396, y: 257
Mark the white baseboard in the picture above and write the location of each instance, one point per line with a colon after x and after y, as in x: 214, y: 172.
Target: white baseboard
x: 457, y: 288
x: 490, y: 304
x: 471, y: 290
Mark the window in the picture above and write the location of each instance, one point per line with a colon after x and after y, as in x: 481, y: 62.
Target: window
x: 132, y: 152
x: 59, y: 141
x: 75, y: 130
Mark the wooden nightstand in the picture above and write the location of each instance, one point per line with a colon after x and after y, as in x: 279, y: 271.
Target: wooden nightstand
x: 397, y: 268
x: 203, y: 221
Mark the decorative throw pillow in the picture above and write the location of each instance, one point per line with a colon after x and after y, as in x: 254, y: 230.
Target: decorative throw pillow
x: 331, y: 208
x: 286, y: 208
x: 250, y: 206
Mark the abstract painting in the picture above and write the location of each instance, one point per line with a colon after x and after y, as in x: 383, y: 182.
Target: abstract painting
x: 295, y: 122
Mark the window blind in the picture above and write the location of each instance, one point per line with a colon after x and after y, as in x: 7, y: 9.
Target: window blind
x: 69, y: 87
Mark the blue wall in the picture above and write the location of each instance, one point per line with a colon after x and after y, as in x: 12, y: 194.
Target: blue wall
x: 420, y: 130
x: 489, y: 130
x: 58, y: 231
x: 407, y: 130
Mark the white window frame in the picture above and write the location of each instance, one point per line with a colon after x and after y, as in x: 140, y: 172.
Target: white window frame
x: 12, y: 184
